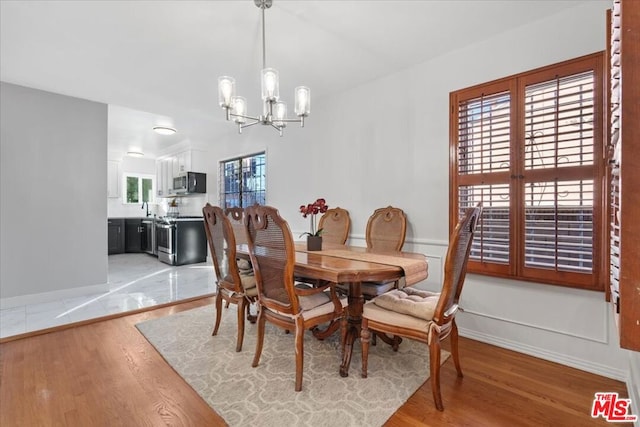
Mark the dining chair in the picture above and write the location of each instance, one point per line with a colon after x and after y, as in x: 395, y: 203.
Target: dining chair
x: 335, y: 224
x: 235, y: 280
x: 283, y: 303
x: 386, y: 232
x: 426, y: 316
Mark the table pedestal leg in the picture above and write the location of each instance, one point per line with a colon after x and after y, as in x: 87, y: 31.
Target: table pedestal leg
x: 354, y: 319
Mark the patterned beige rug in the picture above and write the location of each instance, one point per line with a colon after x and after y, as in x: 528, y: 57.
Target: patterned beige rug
x: 264, y: 396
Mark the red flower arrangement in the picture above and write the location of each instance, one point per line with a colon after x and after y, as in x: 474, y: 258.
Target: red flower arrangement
x: 311, y: 210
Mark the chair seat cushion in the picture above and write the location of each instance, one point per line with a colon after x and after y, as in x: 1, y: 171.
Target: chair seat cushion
x: 248, y: 283
x: 244, y: 267
x: 243, y: 264
x: 374, y: 312
x: 414, y: 302
x: 314, y: 305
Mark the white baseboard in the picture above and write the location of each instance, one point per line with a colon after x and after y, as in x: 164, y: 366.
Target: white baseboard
x: 44, y: 297
x: 563, y: 359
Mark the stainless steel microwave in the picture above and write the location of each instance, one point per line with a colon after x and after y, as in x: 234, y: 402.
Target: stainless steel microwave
x: 190, y: 182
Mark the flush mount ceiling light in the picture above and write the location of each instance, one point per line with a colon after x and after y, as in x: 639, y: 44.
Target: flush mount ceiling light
x: 274, y: 110
x: 135, y: 153
x: 164, y: 130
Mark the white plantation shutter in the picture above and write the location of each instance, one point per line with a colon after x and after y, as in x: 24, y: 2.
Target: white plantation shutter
x: 558, y: 122
x: 484, y: 127
x: 492, y: 243
x: 527, y: 147
x: 559, y: 225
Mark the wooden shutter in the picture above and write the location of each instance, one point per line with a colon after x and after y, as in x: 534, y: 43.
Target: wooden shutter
x: 529, y: 147
x: 561, y: 197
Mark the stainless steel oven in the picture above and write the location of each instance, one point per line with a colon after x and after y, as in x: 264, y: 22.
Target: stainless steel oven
x: 181, y: 240
x: 165, y: 238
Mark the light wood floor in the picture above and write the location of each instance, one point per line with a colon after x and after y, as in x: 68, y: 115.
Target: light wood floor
x: 107, y: 374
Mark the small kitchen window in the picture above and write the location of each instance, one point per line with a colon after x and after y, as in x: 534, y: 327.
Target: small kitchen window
x: 139, y: 188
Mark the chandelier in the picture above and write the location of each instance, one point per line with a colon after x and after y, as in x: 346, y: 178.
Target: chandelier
x: 274, y: 111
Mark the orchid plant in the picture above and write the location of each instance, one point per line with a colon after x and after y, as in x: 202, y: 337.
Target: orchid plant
x: 311, y: 210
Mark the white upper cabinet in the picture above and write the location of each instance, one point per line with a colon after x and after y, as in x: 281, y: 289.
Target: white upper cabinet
x: 182, y: 163
x: 164, y: 177
x: 175, y: 165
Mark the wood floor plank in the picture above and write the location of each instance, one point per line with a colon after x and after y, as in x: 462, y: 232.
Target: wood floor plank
x: 106, y: 374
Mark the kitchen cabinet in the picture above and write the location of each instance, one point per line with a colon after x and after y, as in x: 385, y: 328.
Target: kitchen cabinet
x: 182, y: 163
x: 113, y: 179
x: 164, y: 177
x: 175, y: 165
x: 116, y: 232
x: 134, y: 235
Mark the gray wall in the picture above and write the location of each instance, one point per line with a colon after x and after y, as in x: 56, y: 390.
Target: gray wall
x: 52, y: 193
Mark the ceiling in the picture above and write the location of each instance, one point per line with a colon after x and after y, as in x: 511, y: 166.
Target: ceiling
x: 157, y: 62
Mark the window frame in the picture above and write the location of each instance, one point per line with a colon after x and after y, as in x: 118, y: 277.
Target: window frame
x: 517, y: 176
x: 222, y: 190
x: 140, y: 177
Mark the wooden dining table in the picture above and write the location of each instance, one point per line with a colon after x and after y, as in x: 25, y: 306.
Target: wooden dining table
x: 353, y: 265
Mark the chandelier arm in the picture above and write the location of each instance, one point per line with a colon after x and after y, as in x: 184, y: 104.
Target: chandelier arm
x: 245, y: 117
x: 276, y: 127
x: 250, y: 124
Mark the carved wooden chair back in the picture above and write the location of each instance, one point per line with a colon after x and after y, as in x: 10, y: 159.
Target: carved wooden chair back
x: 222, y: 245
x: 335, y: 224
x: 273, y: 257
x: 386, y: 229
x: 236, y: 218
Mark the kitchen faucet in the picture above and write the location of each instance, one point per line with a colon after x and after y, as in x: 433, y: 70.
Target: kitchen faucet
x: 146, y: 203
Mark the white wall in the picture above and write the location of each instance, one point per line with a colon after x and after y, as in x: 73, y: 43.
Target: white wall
x: 386, y: 143
x: 53, y: 192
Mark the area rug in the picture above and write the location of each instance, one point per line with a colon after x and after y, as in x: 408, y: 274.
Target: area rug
x: 265, y: 396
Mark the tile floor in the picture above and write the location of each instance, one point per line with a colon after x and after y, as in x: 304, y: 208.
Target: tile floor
x: 135, y: 281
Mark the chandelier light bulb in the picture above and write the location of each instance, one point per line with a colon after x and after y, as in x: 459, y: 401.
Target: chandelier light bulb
x: 226, y: 90
x: 270, y: 85
x: 280, y: 113
x: 239, y: 105
x: 302, y: 101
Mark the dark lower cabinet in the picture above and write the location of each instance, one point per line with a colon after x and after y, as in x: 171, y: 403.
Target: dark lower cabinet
x: 115, y: 227
x: 134, y: 235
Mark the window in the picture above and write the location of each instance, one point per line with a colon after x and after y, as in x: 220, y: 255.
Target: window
x: 529, y: 147
x: 139, y: 188
x: 243, y: 181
